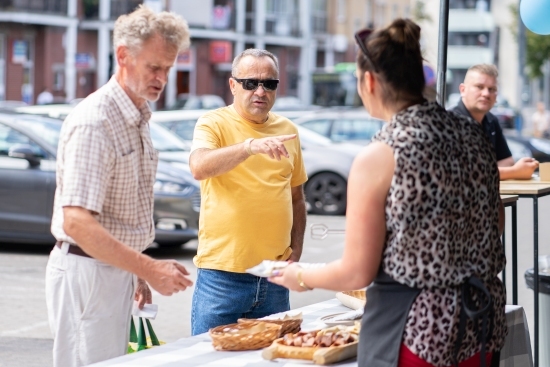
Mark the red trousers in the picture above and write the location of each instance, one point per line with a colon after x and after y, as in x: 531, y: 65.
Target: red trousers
x: 409, y: 359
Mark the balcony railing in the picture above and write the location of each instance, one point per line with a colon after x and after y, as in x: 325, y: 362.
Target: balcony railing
x: 58, y: 7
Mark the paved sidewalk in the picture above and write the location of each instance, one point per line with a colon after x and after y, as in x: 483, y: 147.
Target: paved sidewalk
x: 25, y: 352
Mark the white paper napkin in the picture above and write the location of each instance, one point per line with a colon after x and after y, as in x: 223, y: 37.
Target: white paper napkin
x: 149, y: 311
x: 265, y: 268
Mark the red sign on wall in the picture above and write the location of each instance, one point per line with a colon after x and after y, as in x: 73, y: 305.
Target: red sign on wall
x: 221, y: 52
x: 185, y: 58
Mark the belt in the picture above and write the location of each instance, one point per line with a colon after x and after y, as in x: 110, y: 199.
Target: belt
x: 73, y: 249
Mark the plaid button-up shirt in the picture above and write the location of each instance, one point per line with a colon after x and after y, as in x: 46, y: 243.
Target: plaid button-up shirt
x: 106, y: 164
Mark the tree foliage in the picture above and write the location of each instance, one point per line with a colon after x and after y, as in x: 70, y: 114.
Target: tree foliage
x: 419, y: 13
x: 537, y: 46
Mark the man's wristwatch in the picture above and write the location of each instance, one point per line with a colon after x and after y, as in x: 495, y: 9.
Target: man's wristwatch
x: 247, y: 146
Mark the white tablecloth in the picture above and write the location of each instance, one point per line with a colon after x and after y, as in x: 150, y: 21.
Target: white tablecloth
x: 198, y: 350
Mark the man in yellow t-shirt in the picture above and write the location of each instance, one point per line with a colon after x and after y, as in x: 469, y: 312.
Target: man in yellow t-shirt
x: 249, y: 162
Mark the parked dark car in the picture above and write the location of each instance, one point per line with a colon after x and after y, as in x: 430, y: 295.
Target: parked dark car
x: 28, y: 148
x: 538, y: 148
x: 351, y: 125
x: 505, y: 114
x: 327, y: 163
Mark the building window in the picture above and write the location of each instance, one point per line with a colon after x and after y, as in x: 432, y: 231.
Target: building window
x: 469, y: 39
x: 250, y: 18
x: 484, y: 5
x: 282, y: 17
x: 341, y: 17
x: 58, y: 78
x: 91, y: 9
x: 119, y: 7
x: 319, y: 16
x: 58, y: 7
x: 320, y: 59
x: 223, y: 14
x: 292, y: 69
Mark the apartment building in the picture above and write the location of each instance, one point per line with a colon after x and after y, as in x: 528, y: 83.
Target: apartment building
x: 66, y: 45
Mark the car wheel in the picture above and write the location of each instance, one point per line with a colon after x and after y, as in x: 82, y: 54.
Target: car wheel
x: 326, y: 194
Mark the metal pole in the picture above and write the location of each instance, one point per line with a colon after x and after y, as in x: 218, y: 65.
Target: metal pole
x: 536, y: 276
x: 546, y: 84
x: 504, y: 249
x: 521, y: 61
x: 442, y: 51
x: 515, y: 254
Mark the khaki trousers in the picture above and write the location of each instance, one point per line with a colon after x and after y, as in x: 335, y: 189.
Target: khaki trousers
x: 89, y: 305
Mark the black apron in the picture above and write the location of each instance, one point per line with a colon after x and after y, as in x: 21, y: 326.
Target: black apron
x: 385, y: 316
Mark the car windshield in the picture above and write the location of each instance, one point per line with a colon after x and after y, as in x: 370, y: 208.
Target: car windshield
x: 311, y: 137
x: 182, y: 128
x: 48, y: 130
x: 165, y: 141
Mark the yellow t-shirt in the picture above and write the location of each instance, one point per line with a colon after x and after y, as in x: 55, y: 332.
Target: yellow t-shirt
x: 246, y: 213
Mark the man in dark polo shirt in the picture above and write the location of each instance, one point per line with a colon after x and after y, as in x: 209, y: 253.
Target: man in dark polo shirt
x: 479, y: 93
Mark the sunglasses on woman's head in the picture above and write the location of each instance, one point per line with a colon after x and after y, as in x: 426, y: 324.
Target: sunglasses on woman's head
x: 253, y: 84
x: 360, y: 38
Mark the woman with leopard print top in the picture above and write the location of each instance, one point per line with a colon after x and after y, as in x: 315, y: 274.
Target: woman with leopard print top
x: 424, y: 221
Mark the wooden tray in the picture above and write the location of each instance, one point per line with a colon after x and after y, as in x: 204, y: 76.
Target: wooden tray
x: 318, y: 355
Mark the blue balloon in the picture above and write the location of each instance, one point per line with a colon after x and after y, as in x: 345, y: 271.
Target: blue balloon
x: 535, y: 14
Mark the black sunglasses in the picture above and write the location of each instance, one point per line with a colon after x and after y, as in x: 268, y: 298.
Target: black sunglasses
x: 253, y: 84
x: 360, y: 38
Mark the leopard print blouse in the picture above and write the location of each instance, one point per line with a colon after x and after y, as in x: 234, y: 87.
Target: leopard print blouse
x: 442, y: 226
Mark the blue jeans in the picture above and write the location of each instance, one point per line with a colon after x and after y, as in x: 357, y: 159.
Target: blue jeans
x: 222, y: 297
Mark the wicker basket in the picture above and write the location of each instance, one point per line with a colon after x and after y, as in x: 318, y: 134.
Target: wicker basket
x: 287, y: 325
x: 244, y: 336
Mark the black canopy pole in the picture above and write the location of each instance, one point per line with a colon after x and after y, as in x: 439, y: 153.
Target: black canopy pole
x: 442, y: 50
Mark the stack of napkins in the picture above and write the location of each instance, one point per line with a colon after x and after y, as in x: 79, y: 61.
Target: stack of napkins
x: 267, y: 267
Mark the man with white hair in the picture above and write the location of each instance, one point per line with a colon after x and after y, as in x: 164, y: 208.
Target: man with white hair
x: 103, y: 209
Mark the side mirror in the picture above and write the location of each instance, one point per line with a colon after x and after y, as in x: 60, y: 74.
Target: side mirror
x: 24, y: 151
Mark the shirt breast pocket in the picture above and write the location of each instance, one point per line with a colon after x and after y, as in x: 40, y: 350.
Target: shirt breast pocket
x: 124, y: 180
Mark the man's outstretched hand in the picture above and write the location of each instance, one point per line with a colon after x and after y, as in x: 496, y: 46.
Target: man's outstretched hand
x: 168, y: 277
x: 273, y: 146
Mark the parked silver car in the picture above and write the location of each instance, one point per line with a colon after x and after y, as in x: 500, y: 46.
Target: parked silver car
x: 28, y: 148
x: 193, y: 102
x: 352, y: 125
x: 327, y: 163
